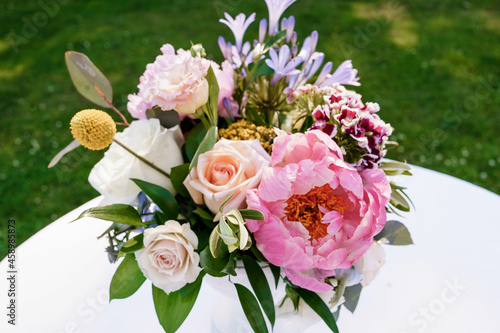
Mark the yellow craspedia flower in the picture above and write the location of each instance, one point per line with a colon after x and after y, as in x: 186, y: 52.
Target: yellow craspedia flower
x: 94, y: 129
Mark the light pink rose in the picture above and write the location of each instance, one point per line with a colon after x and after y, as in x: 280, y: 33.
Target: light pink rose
x: 172, y: 82
x: 320, y: 213
x: 230, y: 167
x: 168, y: 258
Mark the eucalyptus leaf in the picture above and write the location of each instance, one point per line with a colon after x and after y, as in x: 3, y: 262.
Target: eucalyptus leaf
x: 351, y: 295
x: 251, y: 309
x: 86, y: 77
x: 177, y: 176
x: 168, y: 119
x: 161, y: 197
x: 252, y: 214
x: 118, y: 213
x: 173, y: 308
x: 72, y: 146
x: 206, y: 144
x: 260, y: 286
x: 127, y: 279
x: 396, y: 233
x: 318, y: 305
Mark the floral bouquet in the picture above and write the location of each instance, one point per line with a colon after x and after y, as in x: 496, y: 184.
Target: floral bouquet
x: 266, y: 160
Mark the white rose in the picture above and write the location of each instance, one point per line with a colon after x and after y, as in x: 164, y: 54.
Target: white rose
x: 369, y: 264
x: 230, y: 167
x: 168, y: 259
x: 147, y: 138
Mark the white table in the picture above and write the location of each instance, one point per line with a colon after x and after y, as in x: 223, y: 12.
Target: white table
x: 446, y: 282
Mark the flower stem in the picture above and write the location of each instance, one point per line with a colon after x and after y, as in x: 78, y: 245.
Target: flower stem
x: 166, y: 174
x: 111, y: 105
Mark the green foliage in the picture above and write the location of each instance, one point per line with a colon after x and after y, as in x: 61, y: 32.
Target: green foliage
x: 87, y: 77
x: 251, y: 309
x: 173, y: 309
x: 177, y: 176
x: 396, y: 233
x: 161, y: 197
x: 118, y: 213
x: 351, y: 295
x: 127, y: 279
x: 206, y: 144
x: 260, y: 286
x: 316, y: 303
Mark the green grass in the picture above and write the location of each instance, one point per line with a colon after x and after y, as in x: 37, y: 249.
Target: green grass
x: 434, y: 67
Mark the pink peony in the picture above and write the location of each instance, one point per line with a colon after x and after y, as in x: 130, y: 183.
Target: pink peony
x: 320, y: 213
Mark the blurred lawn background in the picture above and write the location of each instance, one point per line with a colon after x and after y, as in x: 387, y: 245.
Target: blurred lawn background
x: 434, y: 67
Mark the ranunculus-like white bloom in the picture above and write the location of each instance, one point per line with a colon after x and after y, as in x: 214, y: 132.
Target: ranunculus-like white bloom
x: 369, y: 264
x: 230, y: 167
x: 168, y: 258
x: 147, y: 138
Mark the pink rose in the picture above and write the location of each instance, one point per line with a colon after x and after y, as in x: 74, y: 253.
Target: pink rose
x: 172, y: 82
x: 230, y: 167
x: 320, y: 213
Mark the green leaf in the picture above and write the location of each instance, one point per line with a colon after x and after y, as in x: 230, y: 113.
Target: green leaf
x: 399, y: 201
x: 206, y: 144
x: 260, y: 287
x: 118, y: 213
x: 396, y: 233
x: 276, y: 274
x: 251, y: 309
x: 173, y: 309
x: 161, y: 197
x: 228, y: 197
x: 193, y: 139
x: 168, y: 119
x: 133, y: 244
x: 204, y: 214
x: 275, y: 38
x: 213, y: 97
x: 253, y: 115
x: 127, y: 279
x: 215, y: 266
x: 318, y: 305
x: 261, y: 69
x: 252, y: 214
x: 86, y: 76
x: 177, y: 176
x: 351, y: 295
x: 394, y: 168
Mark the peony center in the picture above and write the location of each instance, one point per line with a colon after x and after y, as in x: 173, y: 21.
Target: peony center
x: 305, y: 208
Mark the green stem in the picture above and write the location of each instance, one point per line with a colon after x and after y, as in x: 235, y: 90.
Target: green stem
x: 166, y: 174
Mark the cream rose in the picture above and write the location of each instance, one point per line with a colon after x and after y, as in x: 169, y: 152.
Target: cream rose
x: 168, y: 258
x: 369, y: 264
x: 147, y: 138
x: 230, y: 167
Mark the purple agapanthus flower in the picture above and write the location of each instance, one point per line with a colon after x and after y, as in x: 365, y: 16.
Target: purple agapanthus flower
x: 276, y: 8
x: 238, y: 26
x: 344, y: 74
x: 282, y: 64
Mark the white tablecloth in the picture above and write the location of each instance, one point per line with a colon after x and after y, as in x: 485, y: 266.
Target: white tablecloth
x: 446, y: 282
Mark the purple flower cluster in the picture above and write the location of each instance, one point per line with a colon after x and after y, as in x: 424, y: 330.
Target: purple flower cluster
x: 345, y: 115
